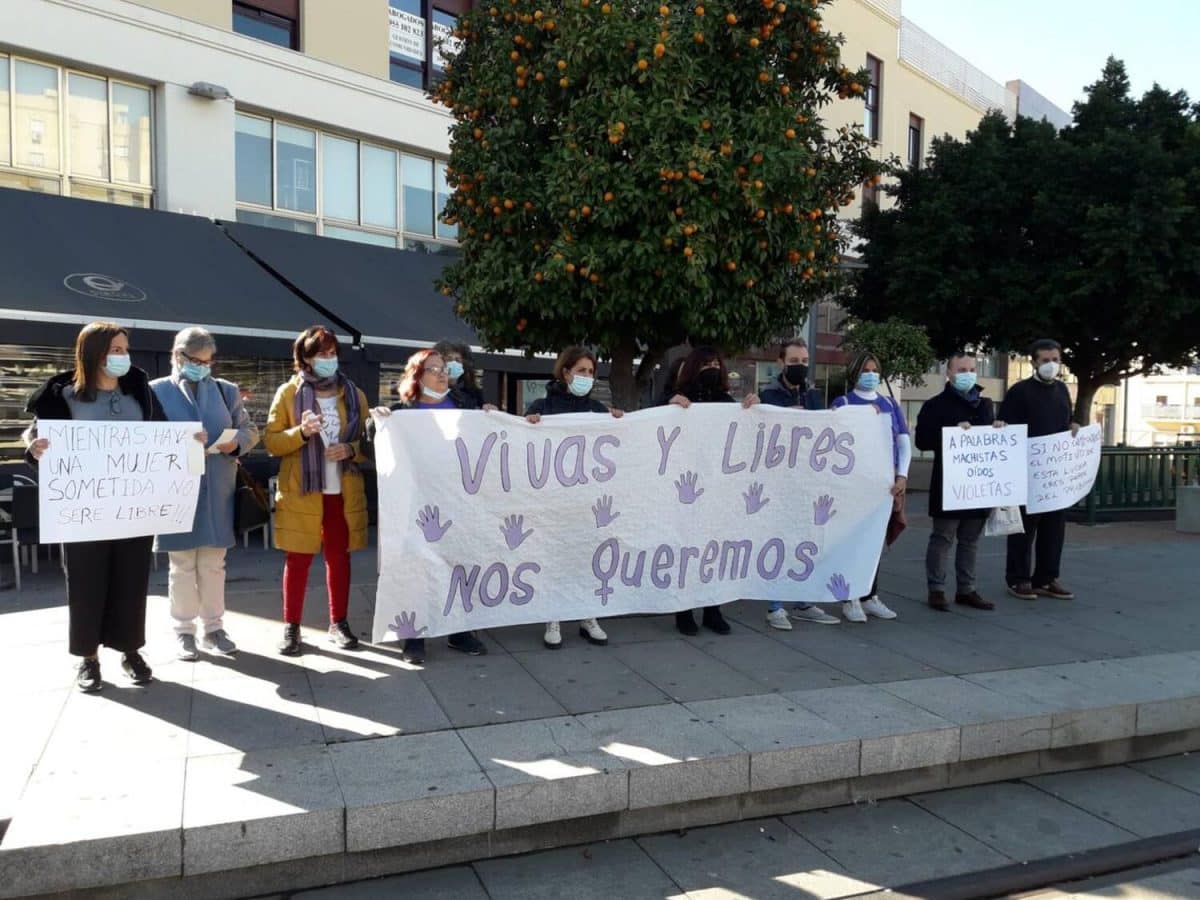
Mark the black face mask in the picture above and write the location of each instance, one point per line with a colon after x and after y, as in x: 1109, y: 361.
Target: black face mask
x: 709, y: 379
x: 796, y: 375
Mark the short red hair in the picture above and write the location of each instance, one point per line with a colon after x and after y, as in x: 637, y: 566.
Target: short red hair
x: 414, y: 371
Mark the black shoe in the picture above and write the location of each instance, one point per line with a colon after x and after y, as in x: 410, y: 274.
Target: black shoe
x: 87, y: 678
x: 686, y: 623
x: 467, y: 643
x: 290, y: 645
x: 135, y: 667
x: 341, y: 635
x: 714, y: 621
x: 414, y: 651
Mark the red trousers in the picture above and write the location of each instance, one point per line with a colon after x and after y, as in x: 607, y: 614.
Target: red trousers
x: 335, y: 545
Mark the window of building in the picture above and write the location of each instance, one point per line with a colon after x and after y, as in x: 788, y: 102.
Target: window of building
x: 364, y: 192
x: 421, y: 39
x: 274, y: 21
x: 916, y: 140
x: 25, y: 369
x: 68, y: 132
x: 873, y: 98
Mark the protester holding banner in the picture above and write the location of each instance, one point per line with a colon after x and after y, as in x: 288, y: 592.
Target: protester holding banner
x: 865, y: 375
x: 570, y: 391
x: 1043, y: 403
x: 196, y: 581
x: 315, y: 426
x: 790, y: 389
x: 107, y: 580
x: 704, y: 378
x: 426, y: 385
x: 460, y: 371
x: 961, y: 404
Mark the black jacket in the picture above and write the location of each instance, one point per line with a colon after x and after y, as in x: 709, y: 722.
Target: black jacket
x: 697, y: 394
x: 947, y: 410
x: 559, y: 399
x: 1045, y: 408
x: 779, y: 394
x: 468, y: 390
x: 48, y: 402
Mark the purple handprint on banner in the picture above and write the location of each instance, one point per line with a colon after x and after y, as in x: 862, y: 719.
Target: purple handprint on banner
x: 686, y: 486
x: 603, y: 511
x: 839, y: 588
x: 513, y: 535
x: 405, y: 627
x: 428, y: 520
x: 823, y: 510
x: 754, y: 499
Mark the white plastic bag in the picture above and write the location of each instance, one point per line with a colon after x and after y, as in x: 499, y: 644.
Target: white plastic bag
x: 1004, y: 520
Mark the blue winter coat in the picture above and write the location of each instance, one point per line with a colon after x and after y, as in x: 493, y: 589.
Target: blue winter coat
x: 218, y: 405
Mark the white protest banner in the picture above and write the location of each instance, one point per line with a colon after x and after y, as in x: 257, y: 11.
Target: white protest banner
x: 983, y: 467
x: 108, y: 480
x: 486, y: 520
x: 1062, y: 469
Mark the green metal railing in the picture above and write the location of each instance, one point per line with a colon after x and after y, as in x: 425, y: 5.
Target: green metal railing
x: 1135, y: 480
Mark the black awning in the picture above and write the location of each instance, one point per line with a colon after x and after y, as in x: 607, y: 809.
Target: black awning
x: 67, y: 262
x: 387, y: 296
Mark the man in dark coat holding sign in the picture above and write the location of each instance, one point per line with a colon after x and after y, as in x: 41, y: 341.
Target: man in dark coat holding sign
x: 960, y: 405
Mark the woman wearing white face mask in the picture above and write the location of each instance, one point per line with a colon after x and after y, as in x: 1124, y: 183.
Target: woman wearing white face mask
x: 196, y: 582
x: 426, y: 385
x: 460, y: 372
x: 866, y: 375
x: 315, y: 427
x: 571, y: 392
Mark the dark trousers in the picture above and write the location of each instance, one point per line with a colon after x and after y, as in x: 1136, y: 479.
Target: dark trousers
x: 106, y: 594
x: 1046, y: 532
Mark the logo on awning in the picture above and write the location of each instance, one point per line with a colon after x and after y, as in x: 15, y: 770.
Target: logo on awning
x: 104, y: 287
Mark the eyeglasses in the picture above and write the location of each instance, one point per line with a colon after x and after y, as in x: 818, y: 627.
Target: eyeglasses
x: 211, y: 361
x: 434, y: 370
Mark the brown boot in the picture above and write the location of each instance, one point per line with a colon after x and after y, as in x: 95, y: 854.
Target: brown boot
x: 974, y: 601
x: 937, y: 599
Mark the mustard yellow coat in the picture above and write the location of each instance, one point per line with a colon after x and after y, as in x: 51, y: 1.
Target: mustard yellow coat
x: 297, y: 515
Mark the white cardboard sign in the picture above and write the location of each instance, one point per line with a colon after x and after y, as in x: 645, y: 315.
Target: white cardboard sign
x: 983, y: 467
x: 1062, y: 468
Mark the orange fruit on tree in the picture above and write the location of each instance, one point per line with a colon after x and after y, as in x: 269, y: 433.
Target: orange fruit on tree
x: 643, y: 65
x: 730, y: 19
x: 687, y: 251
x: 659, y: 51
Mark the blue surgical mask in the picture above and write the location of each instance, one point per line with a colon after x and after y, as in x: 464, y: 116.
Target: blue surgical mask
x: 117, y: 364
x: 964, y: 381
x: 432, y: 394
x: 194, y: 371
x: 868, y: 381
x: 581, y: 385
x: 454, y: 370
x: 325, y: 367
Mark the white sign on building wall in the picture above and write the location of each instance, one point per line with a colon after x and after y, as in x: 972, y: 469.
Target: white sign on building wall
x: 406, y: 34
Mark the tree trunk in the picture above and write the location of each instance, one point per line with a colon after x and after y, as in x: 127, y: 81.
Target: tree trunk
x: 1085, y: 393
x: 621, y: 378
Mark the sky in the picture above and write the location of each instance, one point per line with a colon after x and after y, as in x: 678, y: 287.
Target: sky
x: 1059, y: 46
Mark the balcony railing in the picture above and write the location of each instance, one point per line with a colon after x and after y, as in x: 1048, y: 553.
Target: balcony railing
x: 1171, y: 412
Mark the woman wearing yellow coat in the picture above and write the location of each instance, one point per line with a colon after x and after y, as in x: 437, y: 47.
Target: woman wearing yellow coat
x: 315, y: 427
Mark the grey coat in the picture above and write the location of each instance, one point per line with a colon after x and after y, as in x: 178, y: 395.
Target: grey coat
x: 218, y: 405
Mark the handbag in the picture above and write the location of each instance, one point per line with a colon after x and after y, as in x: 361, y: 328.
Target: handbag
x: 1004, y: 520
x: 251, y: 504
x: 897, y: 522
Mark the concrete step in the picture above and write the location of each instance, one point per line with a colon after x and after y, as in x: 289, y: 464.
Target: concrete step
x: 186, y: 818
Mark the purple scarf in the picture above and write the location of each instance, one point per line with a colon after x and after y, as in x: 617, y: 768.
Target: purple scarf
x: 312, y: 454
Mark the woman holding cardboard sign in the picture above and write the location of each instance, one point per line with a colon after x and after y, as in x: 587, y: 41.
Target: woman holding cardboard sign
x: 107, y: 580
x: 703, y: 378
x: 196, y: 583
x: 315, y: 427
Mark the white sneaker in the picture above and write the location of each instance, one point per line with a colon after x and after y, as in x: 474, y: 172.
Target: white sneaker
x: 553, y: 637
x: 873, y: 606
x: 590, y: 630
x: 853, y: 612
x: 186, y: 647
x: 778, y: 618
x: 814, y: 614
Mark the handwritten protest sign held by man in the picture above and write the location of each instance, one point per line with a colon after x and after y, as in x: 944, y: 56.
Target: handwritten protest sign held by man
x: 118, y: 479
x: 487, y: 521
x: 984, y: 467
x: 1063, y: 468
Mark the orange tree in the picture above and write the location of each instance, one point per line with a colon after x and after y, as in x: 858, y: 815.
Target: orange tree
x: 630, y: 175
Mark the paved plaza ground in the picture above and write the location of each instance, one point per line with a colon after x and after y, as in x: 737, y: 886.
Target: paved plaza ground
x: 336, y: 759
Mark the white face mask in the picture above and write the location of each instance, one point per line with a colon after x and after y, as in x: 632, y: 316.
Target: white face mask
x: 434, y: 395
x: 1048, y: 371
x: 581, y: 385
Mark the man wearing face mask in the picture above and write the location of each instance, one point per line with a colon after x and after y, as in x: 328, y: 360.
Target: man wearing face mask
x: 1044, y: 405
x: 196, y: 582
x: 960, y: 405
x: 790, y: 389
